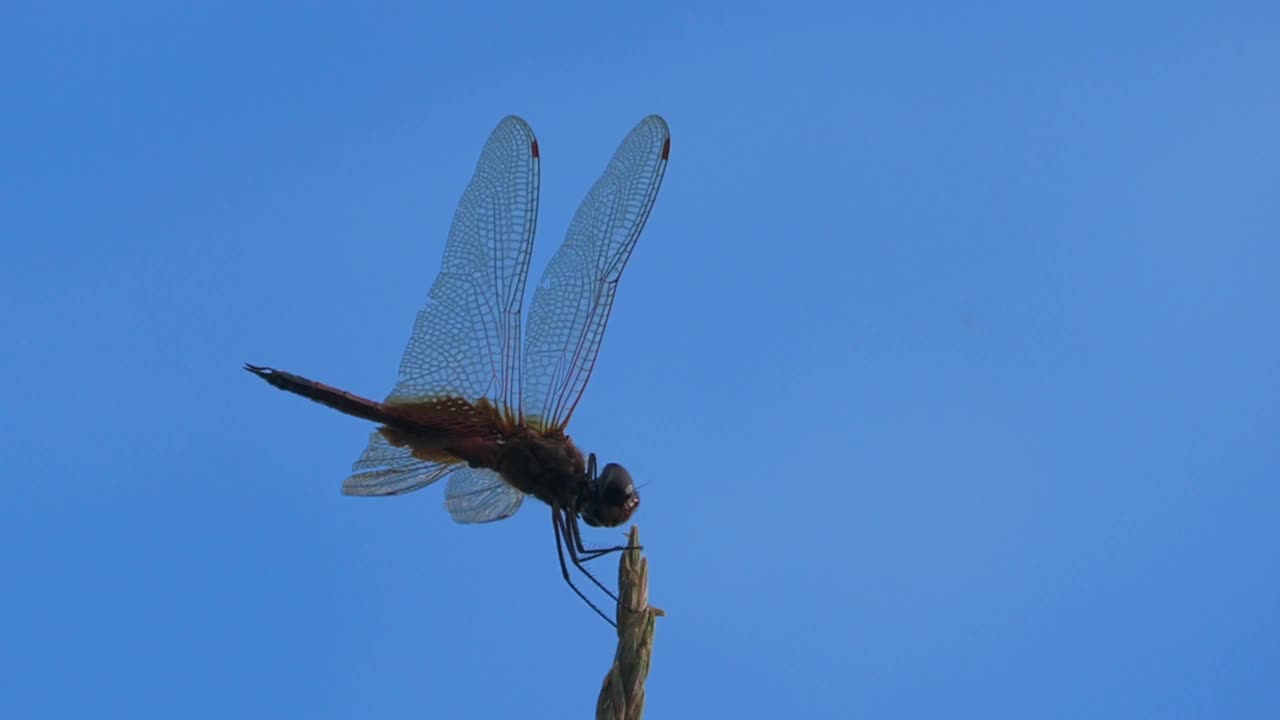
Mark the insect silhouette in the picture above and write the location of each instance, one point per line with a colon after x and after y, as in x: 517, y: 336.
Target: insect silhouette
x: 475, y: 405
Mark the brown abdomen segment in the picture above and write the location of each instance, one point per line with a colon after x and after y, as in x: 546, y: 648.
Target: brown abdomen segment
x: 319, y: 392
x: 440, y: 430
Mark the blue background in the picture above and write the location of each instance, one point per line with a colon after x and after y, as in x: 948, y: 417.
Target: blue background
x: 949, y: 358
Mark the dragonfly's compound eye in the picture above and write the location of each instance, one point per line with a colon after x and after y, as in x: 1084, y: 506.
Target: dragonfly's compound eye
x: 615, y: 498
x: 615, y: 484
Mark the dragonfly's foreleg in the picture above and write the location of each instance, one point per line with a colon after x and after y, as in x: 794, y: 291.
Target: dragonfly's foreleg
x: 584, y: 553
x: 573, y: 542
x: 558, y: 524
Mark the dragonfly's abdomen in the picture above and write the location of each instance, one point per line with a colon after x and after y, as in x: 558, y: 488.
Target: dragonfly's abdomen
x: 447, y: 429
x: 339, y: 400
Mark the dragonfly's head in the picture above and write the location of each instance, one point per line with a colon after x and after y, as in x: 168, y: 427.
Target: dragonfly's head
x: 612, y: 499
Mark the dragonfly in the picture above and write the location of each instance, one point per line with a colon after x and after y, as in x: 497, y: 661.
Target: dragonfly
x: 475, y: 405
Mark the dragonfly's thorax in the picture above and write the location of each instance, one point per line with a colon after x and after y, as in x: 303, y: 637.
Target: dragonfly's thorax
x: 547, y: 466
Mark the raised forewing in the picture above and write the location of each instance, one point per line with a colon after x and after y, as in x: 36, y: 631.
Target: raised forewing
x: 476, y: 495
x: 384, y: 469
x: 466, y: 340
x: 572, y: 303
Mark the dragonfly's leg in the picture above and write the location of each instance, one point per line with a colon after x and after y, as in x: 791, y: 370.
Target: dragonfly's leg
x: 556, y: 522
x: 588, y: 554
x: 574, y: 537
x: 570, y: 527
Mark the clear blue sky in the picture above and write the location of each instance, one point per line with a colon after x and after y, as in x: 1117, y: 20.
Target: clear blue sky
x: 949, y: 357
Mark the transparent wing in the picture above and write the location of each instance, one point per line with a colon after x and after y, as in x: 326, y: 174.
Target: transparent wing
x: 571, y: 305
x: 476, y: 495
x: 384, y: 469
x: 466, y: 340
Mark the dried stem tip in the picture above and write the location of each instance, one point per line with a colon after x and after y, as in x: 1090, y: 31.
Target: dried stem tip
x: 622, y: 697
